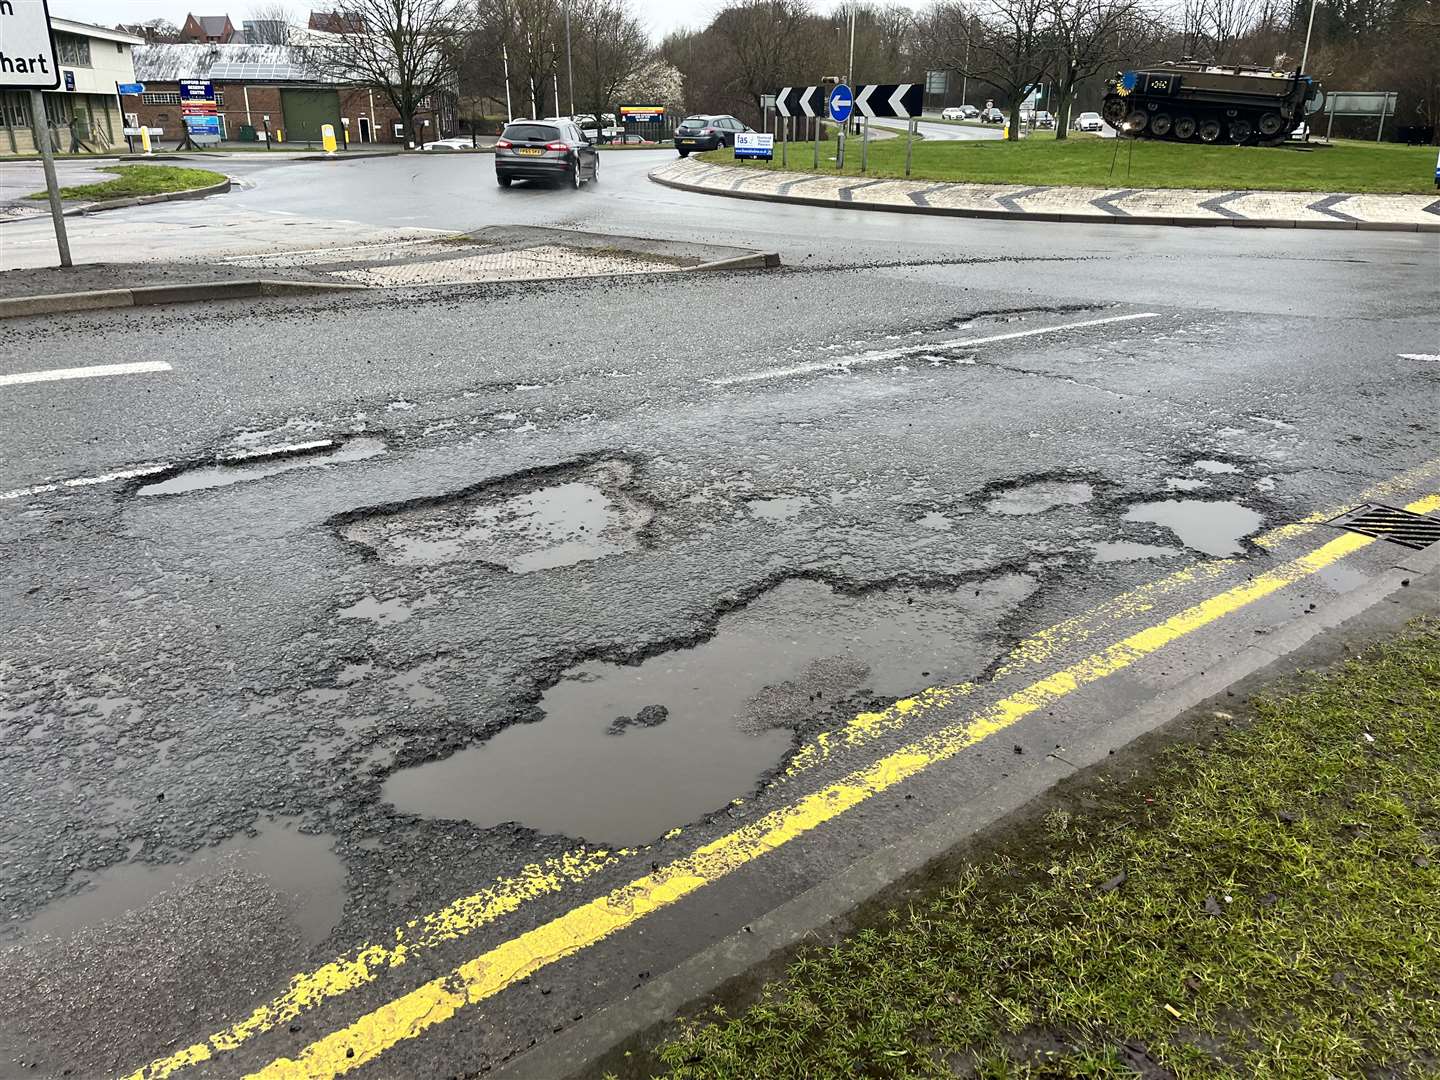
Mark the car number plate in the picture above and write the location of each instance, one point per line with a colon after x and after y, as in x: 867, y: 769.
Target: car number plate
x: 687, y: 142
x: 530, y: 151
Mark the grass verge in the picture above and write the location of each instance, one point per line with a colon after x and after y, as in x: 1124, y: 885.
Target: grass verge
x: 1093, y: 162
x: 132, y: 181
x: 1267, y: 905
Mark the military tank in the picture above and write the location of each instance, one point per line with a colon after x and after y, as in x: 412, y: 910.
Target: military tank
x: 1188, y: 101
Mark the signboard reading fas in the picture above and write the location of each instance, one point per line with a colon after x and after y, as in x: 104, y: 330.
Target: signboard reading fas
x: 27, y: 52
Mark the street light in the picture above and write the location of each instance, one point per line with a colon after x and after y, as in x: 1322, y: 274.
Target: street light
x: 569, y: 63
x: 1305, y: 56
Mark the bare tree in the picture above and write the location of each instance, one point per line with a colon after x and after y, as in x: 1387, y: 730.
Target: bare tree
x: 1006, y: 43
x: 406, y: 48
x: 532, y: 34
x: 610, y: 47
x: 268, y: 24
x: 1091, y: 35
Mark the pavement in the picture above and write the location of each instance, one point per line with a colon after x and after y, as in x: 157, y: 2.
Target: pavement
x: 394, y: 680
x: 1119, y: 205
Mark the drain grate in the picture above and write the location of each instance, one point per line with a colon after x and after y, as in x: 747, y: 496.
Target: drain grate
x: 1388, y: 523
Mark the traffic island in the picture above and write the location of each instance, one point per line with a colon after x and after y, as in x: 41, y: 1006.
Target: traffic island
x: 133, y: 185
x: 1119, y: 205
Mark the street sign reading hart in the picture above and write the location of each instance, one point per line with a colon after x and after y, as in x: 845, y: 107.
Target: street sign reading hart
x: 27, y: 51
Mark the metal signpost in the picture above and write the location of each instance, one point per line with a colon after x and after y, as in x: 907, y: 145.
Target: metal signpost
x: 787, y: 104
x: 27, y: 62
x: 839, y: 106
x: 1368, y: 103
x: 808, y: 105
x: 902, y: 100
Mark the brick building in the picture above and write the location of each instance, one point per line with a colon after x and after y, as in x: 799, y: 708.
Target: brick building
x: 253, y: 82
x: 207, y: 30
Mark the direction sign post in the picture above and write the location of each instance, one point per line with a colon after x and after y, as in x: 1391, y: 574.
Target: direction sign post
x: 902, y: 100
x: 28, y: 50
x: 839, y: 105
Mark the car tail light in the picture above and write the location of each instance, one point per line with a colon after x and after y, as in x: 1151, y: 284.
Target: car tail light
x: 503, y: 144
x: 557, y: 146
x: 708, y: 131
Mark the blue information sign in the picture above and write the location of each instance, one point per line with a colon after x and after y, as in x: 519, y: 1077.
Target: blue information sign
x: 841, y: 103
x: 130, y: 89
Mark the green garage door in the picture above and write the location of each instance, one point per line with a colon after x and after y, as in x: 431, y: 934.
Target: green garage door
x: 306, y: 110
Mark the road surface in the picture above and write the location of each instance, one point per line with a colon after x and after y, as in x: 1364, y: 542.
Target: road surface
x: 593, y: 575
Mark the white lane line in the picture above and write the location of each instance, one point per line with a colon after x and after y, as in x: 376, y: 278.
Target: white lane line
x: 845, y: 363
x: 86, y: 481
x: 1432, y: 357
x: 57, y: 374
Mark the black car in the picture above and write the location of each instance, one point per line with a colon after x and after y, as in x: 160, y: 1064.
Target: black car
x: 545, y: 150
x: 696, y: 133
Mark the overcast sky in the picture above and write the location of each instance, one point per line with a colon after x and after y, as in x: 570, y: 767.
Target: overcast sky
x: 661, y: 15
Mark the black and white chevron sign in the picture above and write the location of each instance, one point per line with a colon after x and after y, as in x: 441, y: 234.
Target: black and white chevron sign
x: 891, y: 99
x: 799, y: 101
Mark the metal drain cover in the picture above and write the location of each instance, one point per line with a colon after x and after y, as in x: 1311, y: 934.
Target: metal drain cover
x: 1388, y: 523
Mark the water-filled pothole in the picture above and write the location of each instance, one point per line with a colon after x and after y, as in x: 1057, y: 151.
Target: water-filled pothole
x: 258, y: 465
x: 300, y: 867
x: 1216, y: 528
x: 626, y: 752
x: 558, y: 518
x: 1040, y: 497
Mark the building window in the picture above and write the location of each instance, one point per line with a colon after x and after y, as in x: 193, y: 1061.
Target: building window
x: 170, y: 97
x: 219, y: 99
x: 120, y: 46
x: 73, y: 51
x: 16, y: 109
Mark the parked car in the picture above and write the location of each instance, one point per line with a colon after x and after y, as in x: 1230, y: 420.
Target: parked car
x: 629, y: 138
x: 1043, y: 119
x: 1088, y: 121
x: 992, y: 116
x: 970, y: 112
x: 952, y: 113
x: 706, y: 132
x: 448, y: 144
x: 535, y: 150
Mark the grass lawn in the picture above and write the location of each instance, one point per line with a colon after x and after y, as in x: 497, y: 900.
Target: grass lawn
x: 134, y: 180
x: 1091, y: 161
x: 1267, y: 905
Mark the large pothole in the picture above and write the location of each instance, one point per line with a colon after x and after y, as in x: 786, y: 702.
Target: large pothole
x: 626, y: 752
x: 558, y: 517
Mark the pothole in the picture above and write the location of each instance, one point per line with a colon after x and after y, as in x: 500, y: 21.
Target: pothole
x: 780, y: 508
x: 263, y: 463
x: 1040, y: 497
x: 1216, y: 528
x: 551, y: 519
x: 1109, y: 551
x: 624, y: 753
x: 300, y: 867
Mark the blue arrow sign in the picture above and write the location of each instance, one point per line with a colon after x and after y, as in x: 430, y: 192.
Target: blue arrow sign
x: 129, y: 89
x: 841, y: 104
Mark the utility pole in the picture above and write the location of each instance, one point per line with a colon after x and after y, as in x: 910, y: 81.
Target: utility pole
x: 569, y: 61
x: 1305, y: 56
x: 509, y: 112
x: 965, y: 75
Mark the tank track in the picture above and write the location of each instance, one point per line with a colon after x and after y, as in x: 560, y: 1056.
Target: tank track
x: 1234, y: 126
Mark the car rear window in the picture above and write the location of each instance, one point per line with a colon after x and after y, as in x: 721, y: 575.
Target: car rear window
x: 531, y: 133
x: 693, y: 125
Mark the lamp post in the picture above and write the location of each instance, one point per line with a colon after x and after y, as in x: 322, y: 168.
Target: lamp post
x: 1309, y: 27
x: 569, y: 61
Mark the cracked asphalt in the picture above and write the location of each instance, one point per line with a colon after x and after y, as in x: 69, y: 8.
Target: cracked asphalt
x: 587, y: 564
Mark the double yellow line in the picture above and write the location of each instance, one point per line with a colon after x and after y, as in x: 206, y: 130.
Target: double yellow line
x: 487, y: 974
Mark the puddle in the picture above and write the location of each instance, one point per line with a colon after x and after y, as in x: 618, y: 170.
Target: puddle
x: 261, y: 464
x: 520, y: 528
x: 1342, y: 578
x: 302, y: 868
x: 935, y: 521
x: 1215, y: 528
x: 1126, y: 551
x: 781, y: 508
x: 1038, y: 498
x: 624, y: 753
x: 1215, y: 466
x: 396, y: 610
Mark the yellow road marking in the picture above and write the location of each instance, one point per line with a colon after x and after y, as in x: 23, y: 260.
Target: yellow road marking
x: 434, y: 1002
x: 506, y: 895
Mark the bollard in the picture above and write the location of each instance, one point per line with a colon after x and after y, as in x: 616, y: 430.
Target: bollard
x: 327, y: 137
x: 145, y: 142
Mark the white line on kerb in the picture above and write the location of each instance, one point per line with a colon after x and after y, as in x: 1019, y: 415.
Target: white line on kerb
x: 57, y: 374
x: 845, y: 363
x: 1432, y: 357
x: 86, y: 481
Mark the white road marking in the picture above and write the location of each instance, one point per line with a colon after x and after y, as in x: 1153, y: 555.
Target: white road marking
x: 845, y: 363
x: 86, y: 481
x: 57, y: 374
x: 1434, y: 358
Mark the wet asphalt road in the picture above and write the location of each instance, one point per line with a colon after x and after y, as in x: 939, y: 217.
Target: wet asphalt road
x: 596, y: 558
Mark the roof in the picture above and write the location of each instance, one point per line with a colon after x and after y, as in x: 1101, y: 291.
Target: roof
x: 168, y: 62
x: 213, y: 24
x: 70, y: 26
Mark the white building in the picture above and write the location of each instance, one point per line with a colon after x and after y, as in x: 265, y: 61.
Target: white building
x: 84, y: 112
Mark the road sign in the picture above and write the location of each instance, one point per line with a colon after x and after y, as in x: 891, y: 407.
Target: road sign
x: 755, y: 144
x: 840, y: 104
x: 27, y: 51
x: 642, y: 114
x: 937, y: 83
x: 808, y: 104
x: 785, y: 103
x: 130, y: 89
x: 891, y: 99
